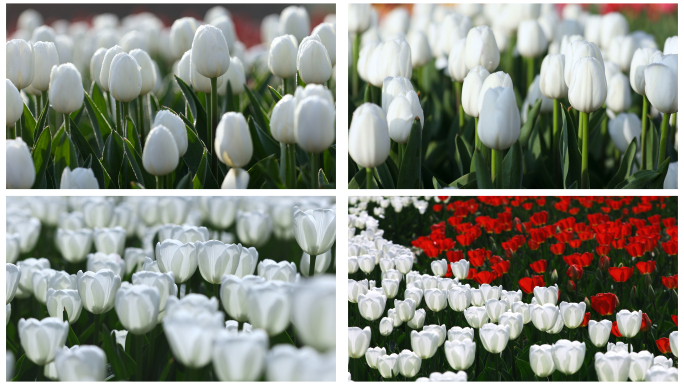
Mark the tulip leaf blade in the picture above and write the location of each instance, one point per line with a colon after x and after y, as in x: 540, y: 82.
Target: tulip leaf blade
x: 596, y: 118
x: 28, y: 126
x: 323, y: 180
x: 384, y: 176
x: 185, y: 182
x: 201, y: 173
x: 189, y: 95
x: 358, y: 181
x: 265, y: 174
x: 639, y: 179
x: 41, y: 157
x: 526, y: 129
x: 113, y: 357
x: 81, y: 142
x: 269, y: 144
x: 198, y: 111
x: 526, y: 373
x: 437, y: 184
x: 65, y: 156
x: 409, y: 170
x: 651, y: 146
x: 98, y: 98
x: 193, y: 155
x: 112, y: 158
x: 625, y: 169
x: 132, y: 136
x: 570, y: 157
x: 282, y: 338
x: 482, y: 174
x: 513, y: 167
x: 662, y: 170
x: 73, y: 340
x: 258, y: 112
x: 134, y: 160
x: 167, y: 369
x: 101, y: 126
x: 467, y: 181
x: 24, y: 366
x: 463, y: 155
x: 276, y: 96
x: 40, y: 124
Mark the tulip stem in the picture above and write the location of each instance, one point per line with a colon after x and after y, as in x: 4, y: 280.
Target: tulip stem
x: 356, y: 43
x: 96, y: 332
x: 67, y: 124
x: 477, y: 137
x: 44, y: 100
x: 556, y: 142
x: 141, y: 121
x: 117, y: 112
x: 497, y: 167
x: 584, y: 123
x: 664, y: 128
x: 290, y: 166
x: 314, y: 169
x: 139, y: 341
x: 644, y: 119
x: 312, y: 265
x: 41, y: 373
x: 124, y: 119
x: 213, y: 121
x: 530, y: 70
x: 459, y: 106
x: 369, y: 177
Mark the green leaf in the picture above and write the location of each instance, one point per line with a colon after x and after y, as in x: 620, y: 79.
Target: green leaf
x: 275, y: 94
x: 198, y: 181
x: 639, y: 179
x: 73, y: 340
x: 384, y: 176
x: 23, y: 366
x: 167, y: 369
x: 463, y: 155
x: 523, y: 367
x: 101, y: 103
x: 282, y: 338
x: 132, y: 136
x: 625, y: 169
x: 570, y: 157
x: 322, y: 179
x: 484, y: 179
x: 526, y: 129
x: 41, y: 156
x: 65, y: 156
x: 193, y: 155
x: 198, y: 111
x: 467, y: 181
x: 258, y: 111
x: 437, y: 184
x: 409, y: 171
x: 265, y: 173
x: 112, y: 158
x: 81, y: 143
x: 28, y: 126
x: 185, y: 182
x: 269, y: 144
x: 596, y: 118
x: 113, y: 357
x: 367, y: 94
x: 41, y: 124
x: 359, y: 180
x: 662, y: 170
x: 651, y: 147
x: 513, y: 167
x: 85, y: 335
x: 101, y: 127
x: 134, y: 160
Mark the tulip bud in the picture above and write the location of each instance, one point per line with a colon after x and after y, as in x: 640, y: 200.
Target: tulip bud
x: 401, y: 115
x: 182, y: 35
x: 106, y: 66
x: 619, y: 96
x: 472, y: 86
x: 622, y: 129
x: 314, y: 124
x: 531, y: 41
x: 554, y: 276
x: 66, y: 89
x: 282, y: 56
x: 282, y: 120
x: 613, y: 24
x: 294, y: 20
x: 20, y: 170
x: 648, y: 280
x: 233, y: 144
x: 177, y: 257
x: 568, y: 356
x: 160, y: 155
x: 641, y: 59
x: 420, y: 48
x: 587, y: 89
x: 147, y: 71
x: 270, y: 308
x: 369, y: 141
x: 125, y: 80
x: 660, y: 80
x: 129, y: 304
x: 14, y: 102
x: 81, y: 363
x: 236, y: 178
x: 651, y: 293
x: 359, y: 17
x: 40, y: 340
x: 241, y: 357
x: 102, y: 300
x: 225, y: 24
x: 236, y: 76
x: 313, y: 62
x: 551, y: 82
x: 20, y: 66
x: 481, y: 49
x: 184, y: 67
x: 571, y: 286
x: 176, y: 126
x: 80, y: 178
x: 628, y: 322
x: 210, y: 56
x: 499, y: 125
x: 44, y: 58
x: 391, y: 58
x: 326, y: 32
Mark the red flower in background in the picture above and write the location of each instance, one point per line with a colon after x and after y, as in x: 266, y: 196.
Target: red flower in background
x: 645, y: 267
x: 602, y: 250
x: 615, y: 331
x: 583, y: 260
x: 604, y: 303
x: 574, y: 272
x: 664, y: 345
x: 485, y: 277
x: 669, y: 222
x: 454, y: 256
x: 558, y: 248
x: 671, y: 282
x: 437, y: 208
x: 575, y: 243
x: 675, y: 319
x: 502, y: 267
x: 646, y: 323
x: 670, y: 247
x: 471, y: 273
x: 538, y: 266
x: 636, y: 249
x: 587, y: 317
x: 604, y: 263
x: 621, y: 274
x: 528, y: 284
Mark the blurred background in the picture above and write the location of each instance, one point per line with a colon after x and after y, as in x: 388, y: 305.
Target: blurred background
x: 246, y: 17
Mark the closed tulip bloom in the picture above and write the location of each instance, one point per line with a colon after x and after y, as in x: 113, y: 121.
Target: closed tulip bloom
x: 572, y: 313
x: 354, y: 288
x: 612, y: 366
x: 14, y: 102
x: 658, y: 373
x: 160, y: 155
x: 372, y: 355
x: 420, y: 48
x: 12, y: 247
x: 313, y: 62
x: 125, y: 80
x: 79, y: 178
x: 481, y: 49
x: 619, y: 96
x: 236, y: 76
x: 391, y: 58
x: 98, y: 290
x: 568, y: 356
x: 12, y: 275
x: 109, y: 240
x: 386, y: 326
x: 499, y: 127
x: 401, y: 115
x: 270, y: 308
x: 557, y: 327
x: 358, y: 341
x: 359, y: 19
x: 371, y: 305
x: 424, y: 343
x: 670, y: 47
x: 522, y: 308
x: 628, y: 323
x: 81, y: 363
x: 460, y: 269
x: 106, y: 66
x: 435, y: 299
x: 74, y: 245
x: 674, y: 342
x: 574, y: 52
x: 514, y: 321
x: 544, y: 317
x: 282, y: 56
x: 277, y: 271
x: 314, y: 124
x: 176, y: 127
x: 439, y: 267
x: 639, y: 365
x: 313, y: 312
x: 282, y: 120
x: 199, y: 82
x: 458, y: 69
x: 408, y: 363
x: 453, y: 28
x: 390, y: 287
x: 177, y: 257
x: 495, y: 308
x: 546, y: 295
x: 476, y: 316
x: 44, y: 58
x: 210, y: 56
x: 551, y: 81
x: 532, y: 41
x: 239, y: 357
x: 418, y: 319
x: 621, y: 50
x: 369, y: 141
x: 294, y: 20
x: 406, y: 309
x: 624, y: 128
x: 182, y: 35
x: 190, y: 336
x: 541, y: 360
x: 27, y: 267
x: 495, y: 337
x: 96, y: 62
x: 671, y: 176
x: 613, y: 24
x: 234, y: 295
x: 41, y: 339
x: 662, y: 361
x: 493, y: 80
x: 66, y: 89
x: 660, y: 80
x: 388, y: 365
x: 19, y: 64
x: 640, y: 60
x: 233, y: 141
x: 460, y: 353
x: 47, y: 278
x: 472, y: 86
x: 216, y: 259
x: 163, y: 282
x: 138, y: 308
x: 147, y: 71
x: 459, y: 297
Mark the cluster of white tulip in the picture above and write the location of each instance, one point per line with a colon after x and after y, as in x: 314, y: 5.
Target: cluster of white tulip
x: 496, y: 315
x: 587, y: 61
x: 261, y: 297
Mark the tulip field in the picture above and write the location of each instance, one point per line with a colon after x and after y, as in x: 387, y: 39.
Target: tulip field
x: 144, y: 102
x: 513, y: 96
x: 512, y: 288
x: 170, y: 289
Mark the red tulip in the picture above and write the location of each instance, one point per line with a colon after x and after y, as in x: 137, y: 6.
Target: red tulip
x: 636, y: 249
x: 615, y: 331
x: 574, y: 272
x: 671, y: 282
x: 645, y: 267
x: 437, y: 208
x: 670, y: 247
x: 528, y: 284
x: 558, y: 248
x: 587, y: 317
x: 675, y: 319
x: 664, y: 345
x: 604, y: 303
x: 646, y: 323
x: 604, y: 263
x: 538, y: 266
x: 502, y: 267
x: 621, y: 274
x: 454, y: 256
x: 485, y: 277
